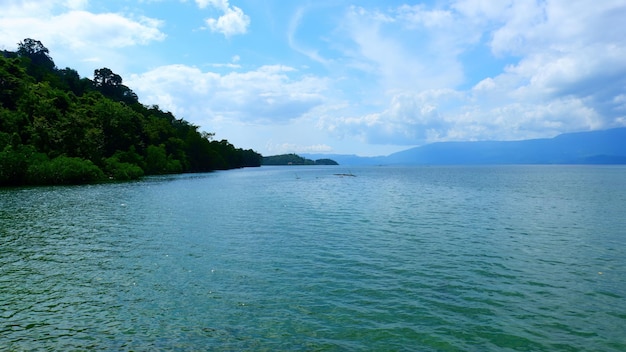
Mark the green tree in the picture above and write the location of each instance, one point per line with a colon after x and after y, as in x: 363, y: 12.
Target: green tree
x: 121, y: 125
x: 36, y: 57
x: 13, y: 80
x: 104, y: 77
x: 38, y: 54
x: 121, y: 171
x: 59, y: 128
x: 158, y: 162
x: 64, y: 170
x: 70, y: 80
x: 110, y: 85
x: 15, y: 161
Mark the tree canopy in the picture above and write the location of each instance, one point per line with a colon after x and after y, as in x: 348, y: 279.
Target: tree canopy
x: 294, y: 159
x: 59, y: 128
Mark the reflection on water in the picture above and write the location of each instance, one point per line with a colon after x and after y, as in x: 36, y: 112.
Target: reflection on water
x: 425, y: 258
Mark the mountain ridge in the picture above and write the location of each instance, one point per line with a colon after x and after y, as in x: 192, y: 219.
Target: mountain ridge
x: 592, y: 147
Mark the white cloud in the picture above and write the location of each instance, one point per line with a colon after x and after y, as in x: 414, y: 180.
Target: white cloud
x: 481, y: 10
x: 400, y: 51
x: 410, y: 118
x: 24, y: 9
x: 284, y: 148
x: 226, y: 65
x: 77, y: 26
x: 566, y: 70
x: 75, y: 35
x: 294, y: 23
x: 567, y: 53
x: 269, y: 93
x: 76, y: 4
x: 444, y: 115
x: 108, y: 29
x: 233, y: 22
x: 419, y: 16
x: 219, y: 4
x: 271, y: 103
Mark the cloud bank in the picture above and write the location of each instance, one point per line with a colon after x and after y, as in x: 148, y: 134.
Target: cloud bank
x: 564, y: 74
x: 74, y: 34
x: 269, y: 94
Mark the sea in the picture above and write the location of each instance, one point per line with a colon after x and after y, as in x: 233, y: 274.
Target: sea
x: 320, y: 258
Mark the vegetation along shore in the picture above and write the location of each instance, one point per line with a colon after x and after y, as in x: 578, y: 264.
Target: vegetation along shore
x: 59, y: 128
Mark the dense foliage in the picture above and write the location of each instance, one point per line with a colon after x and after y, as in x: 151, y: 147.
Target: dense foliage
x: 326, y: 161
x: 294, y: 159
x: 59, y: 128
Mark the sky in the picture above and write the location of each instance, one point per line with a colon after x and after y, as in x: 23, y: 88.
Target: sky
x: 349, y: 77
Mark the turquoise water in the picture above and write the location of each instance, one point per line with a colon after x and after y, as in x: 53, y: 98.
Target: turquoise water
x: 507, y: 258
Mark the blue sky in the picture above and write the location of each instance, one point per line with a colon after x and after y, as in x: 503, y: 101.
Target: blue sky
x: 349, y: 77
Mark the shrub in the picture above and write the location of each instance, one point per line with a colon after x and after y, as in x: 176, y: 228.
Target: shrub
x: 122, y: 171
x: 14, y: 163
x: 64, y: 170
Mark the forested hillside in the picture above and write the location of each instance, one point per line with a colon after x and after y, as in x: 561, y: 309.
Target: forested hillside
x: 59, y: 128
x: 294, y: 159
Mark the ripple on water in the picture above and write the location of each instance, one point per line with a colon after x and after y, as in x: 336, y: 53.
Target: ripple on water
x: 427, y: 259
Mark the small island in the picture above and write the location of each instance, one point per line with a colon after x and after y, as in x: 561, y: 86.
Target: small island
x: 294, y: 159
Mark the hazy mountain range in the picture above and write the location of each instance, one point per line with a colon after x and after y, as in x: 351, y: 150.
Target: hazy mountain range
x: 595, y: 147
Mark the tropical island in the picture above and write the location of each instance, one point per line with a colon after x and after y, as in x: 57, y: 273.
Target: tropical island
x: 294, y: 159
x: 59, y: 128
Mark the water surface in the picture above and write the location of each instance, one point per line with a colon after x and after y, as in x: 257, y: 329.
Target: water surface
x: 517, y: 258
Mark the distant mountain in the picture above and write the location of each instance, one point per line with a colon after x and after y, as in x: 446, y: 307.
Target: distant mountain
x: 607, y: 146
x: 595, y: 147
